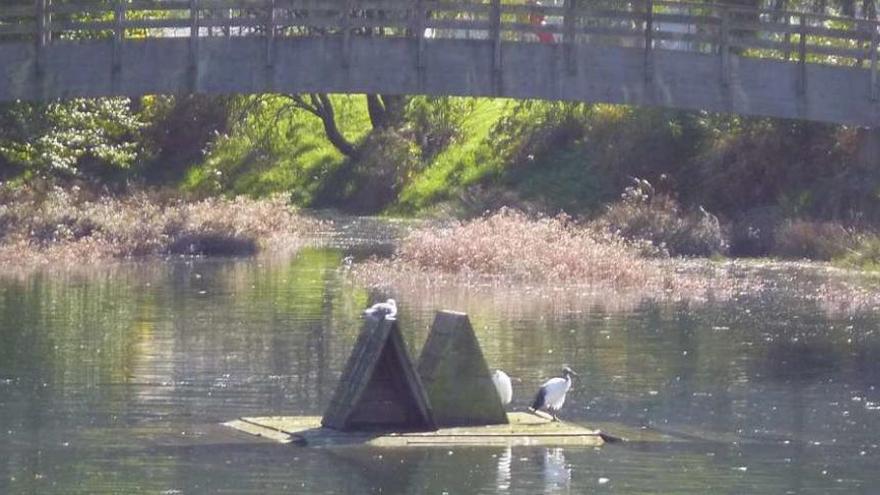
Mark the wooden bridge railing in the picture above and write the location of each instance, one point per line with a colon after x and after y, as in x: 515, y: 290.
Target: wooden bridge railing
x: 650, y: 25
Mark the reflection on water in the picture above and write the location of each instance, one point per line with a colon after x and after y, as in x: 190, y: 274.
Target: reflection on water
x: 115, y: 382
x: 502, y: 482
x: 556, y: 472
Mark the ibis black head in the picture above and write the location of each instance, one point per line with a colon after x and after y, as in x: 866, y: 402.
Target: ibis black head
x: 566, y: 371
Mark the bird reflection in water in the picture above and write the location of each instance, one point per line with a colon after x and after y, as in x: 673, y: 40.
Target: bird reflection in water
x: 556, y: 472
x: 502, y: 482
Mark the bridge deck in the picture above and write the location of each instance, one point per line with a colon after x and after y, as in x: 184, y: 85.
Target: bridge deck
x: 655, y: 53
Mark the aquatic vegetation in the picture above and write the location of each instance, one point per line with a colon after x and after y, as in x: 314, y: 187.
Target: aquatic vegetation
x: 560, y: 265
x: 511, y: 248
x: 70, y: 226
x: 510, y: 245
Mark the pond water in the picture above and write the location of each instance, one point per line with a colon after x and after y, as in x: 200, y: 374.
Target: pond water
x: 116, y: 380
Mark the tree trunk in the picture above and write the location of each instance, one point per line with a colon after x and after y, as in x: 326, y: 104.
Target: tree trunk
x: 394, y: 107
x: 385, y: 110
x: 376, y: 109
x: 328, y: 118
x: 320, y: 105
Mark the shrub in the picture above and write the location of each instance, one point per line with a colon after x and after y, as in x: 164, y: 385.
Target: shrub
x: 643, y: 216
x: 72, y: 226
x: 753, y: 233
x: 812, y: 240
x: 97, y: 138
x: 6, y: 221
x: 510, y: 245
x: 534, y: 128
x: 386, y: 161
x: 436, y: 122
x: 865, y: 254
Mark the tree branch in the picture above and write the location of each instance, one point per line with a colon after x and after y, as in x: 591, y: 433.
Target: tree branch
x: 320, y: 105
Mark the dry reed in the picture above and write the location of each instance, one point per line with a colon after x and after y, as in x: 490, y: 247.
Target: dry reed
x: 509, y: 247
x: 62, y: 227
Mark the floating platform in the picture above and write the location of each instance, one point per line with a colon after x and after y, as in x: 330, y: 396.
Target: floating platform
x: 524, y: 429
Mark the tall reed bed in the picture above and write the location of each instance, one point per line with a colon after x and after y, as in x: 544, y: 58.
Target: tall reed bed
x: 510, y: 246
x: 60, y: 226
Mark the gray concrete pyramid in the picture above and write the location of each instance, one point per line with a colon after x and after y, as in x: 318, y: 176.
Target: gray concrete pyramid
x: 456, y: 377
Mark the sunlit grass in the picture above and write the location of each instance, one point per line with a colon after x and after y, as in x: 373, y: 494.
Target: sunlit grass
x: 468, y: 160
x: 277, y: 149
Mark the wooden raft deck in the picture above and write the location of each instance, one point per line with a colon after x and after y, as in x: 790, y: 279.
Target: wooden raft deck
x: 524, y: 429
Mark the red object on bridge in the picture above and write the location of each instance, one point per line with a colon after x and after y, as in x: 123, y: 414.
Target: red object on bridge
x: 537, y: 19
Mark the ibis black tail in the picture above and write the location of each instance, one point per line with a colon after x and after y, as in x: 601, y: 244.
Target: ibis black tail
x: 540, y: 399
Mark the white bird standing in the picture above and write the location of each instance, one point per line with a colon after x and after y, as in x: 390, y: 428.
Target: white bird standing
x: 551, y: 395
x: 387, y: 309
x: 503, y: 385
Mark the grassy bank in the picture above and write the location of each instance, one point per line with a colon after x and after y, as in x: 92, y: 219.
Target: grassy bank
x: 61, y: 226
x: 678, y: 183
x: 708, y: 184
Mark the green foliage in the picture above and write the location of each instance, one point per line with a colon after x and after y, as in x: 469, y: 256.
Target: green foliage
x: 554, y: 156
x: 566, y: 179
x: 81, y: 137
x: 437, y: 122
x: 467, y: 160
x: 179, y: 131
x: 468, y: 155
x: 534, y: 128
x: 541, y: 144
x: 273, y: 147
x: 387, y: 161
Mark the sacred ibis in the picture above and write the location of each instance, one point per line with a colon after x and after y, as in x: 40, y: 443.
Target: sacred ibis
x: 551, y: 395
x: 387, y: 309
x: 503, y: 385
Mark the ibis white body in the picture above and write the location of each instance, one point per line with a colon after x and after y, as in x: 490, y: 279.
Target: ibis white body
x: 503, y: 385
x: 387, y: 309
x: 553, y: 392
x: 551, y: 395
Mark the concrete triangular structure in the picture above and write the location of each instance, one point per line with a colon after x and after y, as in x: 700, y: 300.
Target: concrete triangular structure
x: 379, y: 388
x: 456, y: 377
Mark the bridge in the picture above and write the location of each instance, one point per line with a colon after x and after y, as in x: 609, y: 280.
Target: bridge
x: 711, y: 57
